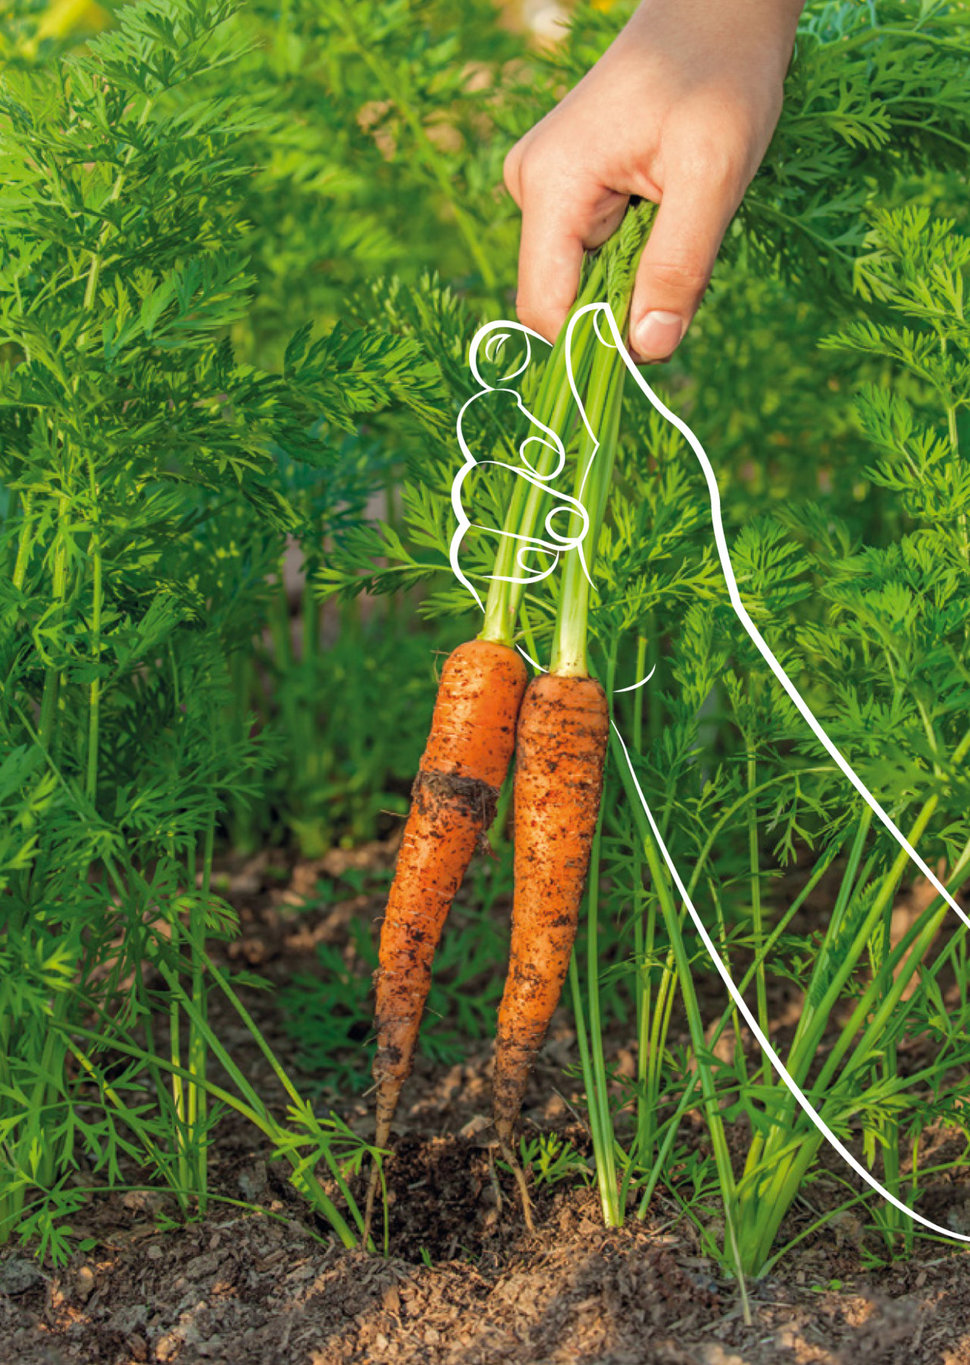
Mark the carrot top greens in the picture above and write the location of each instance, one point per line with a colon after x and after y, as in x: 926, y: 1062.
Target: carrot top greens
x: 244, y: 249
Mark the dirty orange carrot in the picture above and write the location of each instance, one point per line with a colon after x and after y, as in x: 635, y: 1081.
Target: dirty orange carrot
x: 452, y: 805
x: 561, y: 742
x: 560, y: 751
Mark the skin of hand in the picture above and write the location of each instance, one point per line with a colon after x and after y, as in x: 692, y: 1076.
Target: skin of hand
x: 679, y: 110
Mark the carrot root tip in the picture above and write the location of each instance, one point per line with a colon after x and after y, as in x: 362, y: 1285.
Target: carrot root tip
x: 512, y: 1160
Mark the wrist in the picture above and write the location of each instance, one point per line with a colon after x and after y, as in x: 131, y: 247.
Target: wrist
x: 728, y: 27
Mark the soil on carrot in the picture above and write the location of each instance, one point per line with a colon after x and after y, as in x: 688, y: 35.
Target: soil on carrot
x: 464, y: 1283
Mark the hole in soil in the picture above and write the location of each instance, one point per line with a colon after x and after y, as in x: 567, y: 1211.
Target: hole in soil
x: 441, y: 1202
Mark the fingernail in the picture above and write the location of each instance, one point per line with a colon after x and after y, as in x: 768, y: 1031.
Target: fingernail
x: 657, y: 334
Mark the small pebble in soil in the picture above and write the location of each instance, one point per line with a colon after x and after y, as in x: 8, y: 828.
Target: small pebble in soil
x: 84, y: 1283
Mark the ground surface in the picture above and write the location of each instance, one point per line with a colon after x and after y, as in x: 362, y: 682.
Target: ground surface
x: 465, y: 1284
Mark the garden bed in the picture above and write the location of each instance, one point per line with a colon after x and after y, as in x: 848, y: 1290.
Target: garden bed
x: 464, y: 1282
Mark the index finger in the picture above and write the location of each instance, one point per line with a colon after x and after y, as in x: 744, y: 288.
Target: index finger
x: 550, y: 259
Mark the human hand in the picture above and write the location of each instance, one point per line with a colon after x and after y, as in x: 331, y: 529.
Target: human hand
x: 679, y: 110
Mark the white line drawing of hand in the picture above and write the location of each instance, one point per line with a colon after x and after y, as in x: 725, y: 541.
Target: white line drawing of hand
x: 604, y: 317
x: 488, y: 343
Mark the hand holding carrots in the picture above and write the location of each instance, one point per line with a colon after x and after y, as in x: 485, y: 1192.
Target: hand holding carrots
x: 679, y: 110
x: 558, y: 727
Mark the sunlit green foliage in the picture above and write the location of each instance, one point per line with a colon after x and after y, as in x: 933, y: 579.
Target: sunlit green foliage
x: 244, y: 250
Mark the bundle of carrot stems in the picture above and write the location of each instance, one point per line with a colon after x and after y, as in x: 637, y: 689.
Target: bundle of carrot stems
x: 557, y: 725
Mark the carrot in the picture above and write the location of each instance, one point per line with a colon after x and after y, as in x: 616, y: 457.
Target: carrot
x: 560, y: 751
x: 452, y: 805
x: 562, y: 735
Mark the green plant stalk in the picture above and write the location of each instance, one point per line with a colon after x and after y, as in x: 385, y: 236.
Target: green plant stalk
x: 754, y: 864
x: 198, y: 1050
x: 765, y: 1154
x: 310, y: 611
x: 889, y: 1218
x: 655, y: 717
x: 181, y: 1091
x: 299, y: 1107
x: 669, y: 1130
x: 279, y: 624
x: 909, y: 1231
x: 644, y: 931
x: 956, y: 946
x: 638, y: 699
x: 357, y: 744
x: 651, y: 1042
x: 602, y: 1140
x: 715, y: 1123
x: 52, y: 677
x: 604, y: 404
x: 528, y: 633
x: 851, y: 1203
x: 913, y: 947
x: 503, y: 805
x: 876, y: 1009
x: 299, y: 1104
x: 660, y: 1028
x: 179, y: 1078
x: 814, y: 1018
x: 24, y: 543
x: 554, y: 407
x: 297, y: 719
x: 787, y: 1155
x: 594, y: 464
x: 598, y: 1096
x: 311, y: 754
x: 94, y: 694
x: 254, y: 1111
x: 242, y: 672
x: 661, y: 1023
x: 724, y: 947
x: 728, y: 1014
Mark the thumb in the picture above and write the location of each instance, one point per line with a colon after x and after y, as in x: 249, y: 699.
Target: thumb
x: 675, y: 267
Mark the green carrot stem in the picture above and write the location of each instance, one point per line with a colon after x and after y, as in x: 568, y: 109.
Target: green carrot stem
x: 599, y: 1095
x: 52, y: 677
x: 249, y: 1107
x: 754, y: 870
x: 672, y: 922
x: 603, y: 410
x: 554, y: 408
x: 94, y: 694
x: 24, y: 542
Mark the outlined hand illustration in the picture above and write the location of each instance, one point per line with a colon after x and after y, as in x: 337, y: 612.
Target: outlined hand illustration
x: 608, y: 333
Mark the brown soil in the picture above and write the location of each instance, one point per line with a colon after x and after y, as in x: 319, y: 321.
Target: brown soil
x: 465, y: 1284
